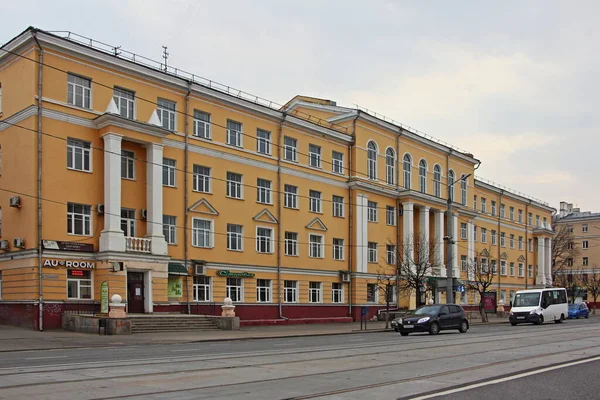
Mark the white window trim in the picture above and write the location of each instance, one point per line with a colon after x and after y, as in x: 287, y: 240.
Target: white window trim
x: 241, y: 183
x: 211, y: 233
x: 174, y: 168
x: 319, y: 291
x: 269, y: 190
x: 320, y: 202
x: 78, y: 287
x: 376, y: 299
x: 341, y: 290
x: 342, y: 252
x: 322, y: 245
x: 242, y: 239
x: 207, y: 125
x: 376, y: 253
x: 82, y: 107
x: 90, y: 152
x: 240, y: 132
x: 242, y: 287
x: 295, y: 290
x: 335, y: 162
x: 338, y: 205
x: 318, y: 156
x: 294, y: 149
x: 295, y: 195
x: 174, y: 242
x: 158, y: 107
x: 199, y: 175
x: 121, y: 98
x: 271, y: 239
x: 91, y: 220
x: 269, y: 142
x: 285, y: 241
x: 128, y: 158
x: 269, y: 291
x: 210, y: 291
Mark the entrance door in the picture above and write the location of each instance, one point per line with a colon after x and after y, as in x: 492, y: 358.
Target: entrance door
x: 135, y: 292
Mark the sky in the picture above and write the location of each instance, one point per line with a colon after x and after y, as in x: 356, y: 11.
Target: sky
x: 515, y: 83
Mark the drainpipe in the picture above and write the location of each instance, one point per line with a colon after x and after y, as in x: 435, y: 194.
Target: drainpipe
x: 350, y: 214
x: 186, y: 199
x: 39, y: 184
x: 279, y: 236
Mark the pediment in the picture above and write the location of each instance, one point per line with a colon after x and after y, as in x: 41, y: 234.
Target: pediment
x: 202, y: 206
x: 265, y: 216
x: 504, y: 256
x: 317, y: 225
x: 485, y: 253
x: 521, y: 258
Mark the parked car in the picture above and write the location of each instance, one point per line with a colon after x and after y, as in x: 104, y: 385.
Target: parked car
x: 432, y: 319
x: 578, y: 310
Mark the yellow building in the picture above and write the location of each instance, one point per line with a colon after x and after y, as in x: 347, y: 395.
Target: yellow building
x: 178, y: 192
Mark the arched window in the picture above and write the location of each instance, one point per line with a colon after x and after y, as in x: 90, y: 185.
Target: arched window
x: 423, y: 176
x: 390, y: 166
x: 463, y: 190
x: 437, y: 181
x: 407, y: 165
x: 451, y: 184
x: 372, y: 160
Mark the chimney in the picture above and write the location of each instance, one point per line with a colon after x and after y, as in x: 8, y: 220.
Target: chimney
x: 563, y: 206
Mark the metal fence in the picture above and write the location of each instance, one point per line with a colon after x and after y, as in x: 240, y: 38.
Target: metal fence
x: 81, y: 308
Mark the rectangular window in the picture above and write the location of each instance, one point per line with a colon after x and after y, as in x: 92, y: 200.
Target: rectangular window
x: 475, y: 202
x: 315, y: 201
x: 520, y: 216
x: 128, y: 222
x: 338, y: 162
x: 537, y: 221
x: 263, y: 191
x: 201, y: 179
x: 530, y: 271
x: 502, y: 267
x: 290, y: 197
x: 201, y: 288
x: 390, y: 215
x: 234, y: 237
x: 512, y: 241
x: 201, y: 124
x: 483, y: 205
x: 512, y: 213
x: 584, y: 245
x: 474, y: 233
x: 127, y: 164
x: 338, y: 206
x: 234, y: 185
x: 202, y: 233
x: 530, y: 244
x: 584, y: 228
x: 493, y: 208
x: 512, y: 269
x: 291, y: 243
x: 234, y: 133
x: 263, y: 141
x: 520, y: 242
x: 315, y: 246
x: 463, y: 263
x: 372, y: 211
x: 79, y: 91
x: 493, y: 237
x: 170, y: 228
x: 463, y: 230
x: 290, y: 291
x: 372, y: 293
x: 494, y: 269
x: 169, y: 167
x: 79, y: 284
x: 502, y: 211
x: 235, y: 289
x: 585, y: 261
x: 372, y: 256
x: 264, y: 240
x: 290, y: 146
x: 390, y: 254
x: 545, y: 222
x: 338, y: 249
x: 166, y: 113
x: 314, y: 156
x: 79, y: 219
x: 79, y: 154
x: 484, y: 265
x: 530, y: 219
x: 483, y: 235
x: 315, y: 292
x: 125, y: 101
x: 263, y: 291
x: 337, y: 292
x: 502, y: 239
x: 521, y: 270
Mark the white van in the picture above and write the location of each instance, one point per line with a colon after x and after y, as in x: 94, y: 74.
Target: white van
x: 539, y: 305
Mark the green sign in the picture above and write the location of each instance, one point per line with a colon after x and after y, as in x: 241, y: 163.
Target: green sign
x: 230, y: 274
x: 174, y: 287
x: 104, y: 297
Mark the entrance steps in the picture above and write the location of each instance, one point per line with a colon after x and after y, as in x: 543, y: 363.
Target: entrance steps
x: 170, y: 323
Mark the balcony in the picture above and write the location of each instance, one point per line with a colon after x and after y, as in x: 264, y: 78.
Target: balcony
x: 138, y: 245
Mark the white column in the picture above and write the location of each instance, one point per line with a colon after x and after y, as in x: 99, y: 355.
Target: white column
x: 424, y: 223
x: 362, y: 237
x: 455, y: 237
x: 470, y: 246
x: 541, y: 267
x: 112, y: 237
x: 154, y: 198
x: 548, y: 261
x: 439, y: 238
x: 408, y: 231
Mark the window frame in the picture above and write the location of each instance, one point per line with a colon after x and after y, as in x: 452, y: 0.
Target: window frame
x: 72, y: 218
x: 316, y: 245
x: 390, y: 215
x: 314, y: 155
x: 119, y: 99
x: 337, y: 164
x: 315, y: 203
x: 206, y: 286
x: 235, y: 240
x: 338, y: 249
x: 293, y: 242
x: 210, y: 235
x: 390, y: 166
x: 290, y: 197
x: 263, y: 143
x: 170, y: 171
x: 372, y: 212
x: 423, y: 176
x: 234, y: 184
x: 291, y: 147
x: 318, y: 291
x: 198, y: 122
x: 269, y: 241
x: 163, y: 109
x: 290, y: 289
x: 407, y: 171
x: 337, y: 292
x: 198, y: 177
x: 128, y: 160
x: 372, y: 252
x: 237, y: 134
x: 79, y: 284
x: 266, y: 290
x: 437, y: 181
x: 237, y: 289
x: 264, y: 194
x: 72, y: 145
x: 337, y: 206
x: 170, y: 229
x: 86, y: 92
x: 372, y: 154
x: 128, y: 217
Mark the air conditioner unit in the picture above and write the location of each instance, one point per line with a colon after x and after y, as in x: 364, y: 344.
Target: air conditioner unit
x: 15, y: 201
x: 3, y: 244
x: 345, y: 277
x: 100, y: 209
x: 144, y: 213
x: 19, y: 243
x: 199, y: 269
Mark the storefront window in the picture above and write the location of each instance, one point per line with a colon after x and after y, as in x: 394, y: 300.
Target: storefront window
x: 234, y: 289
x: 201, y: 288
x: 79, y: 284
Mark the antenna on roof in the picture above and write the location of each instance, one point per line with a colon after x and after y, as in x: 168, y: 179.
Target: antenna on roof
x: 165, y: 56
x: 116, y: 50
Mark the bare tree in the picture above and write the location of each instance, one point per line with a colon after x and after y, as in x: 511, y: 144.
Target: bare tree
x: 386, y: 280
x: 591, y: 282
x: 480, y: 277
x: 564, y: 249
x: 570, y: 279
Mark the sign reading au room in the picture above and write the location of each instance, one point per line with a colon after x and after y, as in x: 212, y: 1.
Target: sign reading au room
x: 70, y: 264
x: 230, y: 274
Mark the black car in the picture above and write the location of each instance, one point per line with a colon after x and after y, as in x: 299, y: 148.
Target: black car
x: 433, y: 319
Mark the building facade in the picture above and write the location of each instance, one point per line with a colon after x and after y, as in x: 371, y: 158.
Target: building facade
x: 177, y: 192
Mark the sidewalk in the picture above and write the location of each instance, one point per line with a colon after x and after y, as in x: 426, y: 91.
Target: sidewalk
x: 19, y: 339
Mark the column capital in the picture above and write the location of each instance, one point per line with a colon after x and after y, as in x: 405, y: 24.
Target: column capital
x: 112, y: 136
x: 408, y: 205
x: 155, y: 146
x: 425, y: 208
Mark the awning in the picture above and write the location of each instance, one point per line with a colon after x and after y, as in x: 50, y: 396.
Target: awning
x: 177, y: 269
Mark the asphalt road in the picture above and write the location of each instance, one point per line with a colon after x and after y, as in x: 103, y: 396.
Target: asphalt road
x: 355, y: 366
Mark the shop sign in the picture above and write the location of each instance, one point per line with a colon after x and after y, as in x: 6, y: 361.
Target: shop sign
x: 48, y: 276
x: 67, y: 246
x: 230, y: 274
x: 104, y: 297
x: 70, y: 264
